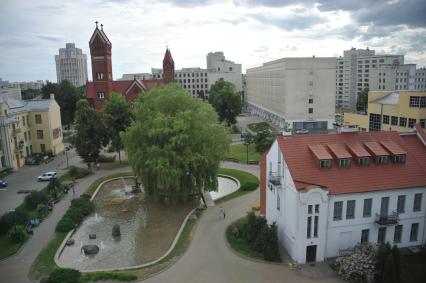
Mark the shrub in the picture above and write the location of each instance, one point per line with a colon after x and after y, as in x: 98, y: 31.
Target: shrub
x: 74, y: 215
x: 255, y: 225
x: 359, y: 264
x: 21, y: 216
x: 64, y: 275
x: 104, y: 158
x: 17, y: 234
x: 77, y: 172
x: 66, y: 224
x: 34, y: 199
x: 97, y: 276
x: 41, y: 210
x: 82, y: 205
x: 271, y: 250
x: 6, y: 222
x: 249, y: 186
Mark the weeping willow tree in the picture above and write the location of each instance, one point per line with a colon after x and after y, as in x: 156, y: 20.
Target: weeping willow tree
x: 175, y: 144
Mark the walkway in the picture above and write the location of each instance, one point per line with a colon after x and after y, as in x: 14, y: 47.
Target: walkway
x: 16, y: 268
x: 208, y: 259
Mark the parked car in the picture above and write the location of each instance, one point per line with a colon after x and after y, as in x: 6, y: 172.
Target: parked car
x: 32, y: 160
x: 302, y: 131
x: 47, y: 176
x: 3, y: 183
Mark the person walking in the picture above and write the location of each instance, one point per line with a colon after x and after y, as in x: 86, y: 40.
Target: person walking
x: 222, y: 213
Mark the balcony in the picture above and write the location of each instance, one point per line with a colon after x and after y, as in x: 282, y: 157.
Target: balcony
x: 387, y: 219
x: 275, y: 179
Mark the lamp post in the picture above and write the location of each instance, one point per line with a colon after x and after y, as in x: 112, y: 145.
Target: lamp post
x: 248, y: 140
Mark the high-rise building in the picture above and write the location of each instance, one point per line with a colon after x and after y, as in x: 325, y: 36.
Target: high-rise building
x: 353, y: 73
x: 393, y: 77
x: 220, y: 68
x: 71, y: 65
x: 420, y: 80
x: 294, y: 93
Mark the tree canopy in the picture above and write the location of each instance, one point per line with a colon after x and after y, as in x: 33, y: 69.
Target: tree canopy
x: 118, y: 116
x: 362, y: 102
x: 226, y: 101
x: 175, y: 144
x: 91, y: 132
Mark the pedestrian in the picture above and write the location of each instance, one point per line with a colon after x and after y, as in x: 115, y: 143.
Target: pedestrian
x: 222, y: 213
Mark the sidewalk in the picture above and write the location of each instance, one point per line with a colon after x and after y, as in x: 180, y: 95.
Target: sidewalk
x: 16, y: 268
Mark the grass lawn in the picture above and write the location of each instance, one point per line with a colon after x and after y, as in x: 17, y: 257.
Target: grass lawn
x: 239, y: 151
x: 241, y: 245
x: 413, y: 268
x: 257, y: 127
x: 242, y: 177
x: 113, y: 165
x: 8, y: 248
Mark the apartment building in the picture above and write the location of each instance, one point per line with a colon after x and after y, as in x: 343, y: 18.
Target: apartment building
x: 294, y: 93
x: 328, y: 192
x: 71, y: 65
x: 28, y: 127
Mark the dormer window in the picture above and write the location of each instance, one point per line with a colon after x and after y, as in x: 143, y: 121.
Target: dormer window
x: 344, y: 163
x: 400, y: 158
x: 325, y: 163
x: 101, y: 95
x: 363, y: 161
x: 383, y: 159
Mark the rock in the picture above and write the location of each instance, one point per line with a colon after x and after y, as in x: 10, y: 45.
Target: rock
x: 116, y: 230
x: 70, y: 242
x: 92, y: 236
x: 90, y: 249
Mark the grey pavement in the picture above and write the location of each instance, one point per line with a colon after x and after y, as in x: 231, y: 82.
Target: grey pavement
x: 15, y: 269
x: 208, y: 258
x: 26, y: 179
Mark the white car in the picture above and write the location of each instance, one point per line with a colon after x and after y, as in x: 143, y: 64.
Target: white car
x: 302, y: 131
x: 46, y: 176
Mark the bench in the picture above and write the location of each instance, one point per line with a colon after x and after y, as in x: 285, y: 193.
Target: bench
x: 253, y: 162
x: 232, y: 159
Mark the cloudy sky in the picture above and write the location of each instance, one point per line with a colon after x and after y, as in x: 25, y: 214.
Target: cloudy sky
x: 247, y: 31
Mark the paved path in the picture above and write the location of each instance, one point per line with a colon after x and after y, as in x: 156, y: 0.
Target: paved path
x: 208, y: 259
x: 16, y: 268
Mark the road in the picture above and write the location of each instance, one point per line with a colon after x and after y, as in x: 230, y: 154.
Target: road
x: 26, y: 179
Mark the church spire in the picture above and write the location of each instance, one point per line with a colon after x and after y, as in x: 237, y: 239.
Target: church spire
x: 168, y: 67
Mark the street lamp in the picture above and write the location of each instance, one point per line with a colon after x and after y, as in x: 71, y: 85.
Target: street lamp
x: 248, y: 140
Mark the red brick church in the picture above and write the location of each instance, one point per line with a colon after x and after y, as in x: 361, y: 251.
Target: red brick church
x: 99, y: 90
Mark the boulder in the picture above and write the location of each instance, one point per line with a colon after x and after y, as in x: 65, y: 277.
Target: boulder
x: 116, y: 230
x: 90, y: 249
x: 70, y: 242
x: 92, y: 236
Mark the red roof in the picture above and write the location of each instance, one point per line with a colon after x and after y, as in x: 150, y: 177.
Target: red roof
x: 358, y: 150
x: 393, y: 147
x: 123, y: 86
x: 375, y: 148
x: 339, y: 150
x: 320, y: 152
x: 305, y: 171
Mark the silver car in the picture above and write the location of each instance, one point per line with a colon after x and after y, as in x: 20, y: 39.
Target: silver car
x: 47, y: 176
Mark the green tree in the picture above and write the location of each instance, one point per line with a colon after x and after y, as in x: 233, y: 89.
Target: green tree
x: 226, y: 101
x: 30, y: 93
x: 49, y: 88
x: 263, y: 140
x: 362, y: 102
x: 248, y: 140
x: 118, y: 116
x: 175, y: 144
x: 397, y: 260
x: 91, y: 133
x: 389, y: 273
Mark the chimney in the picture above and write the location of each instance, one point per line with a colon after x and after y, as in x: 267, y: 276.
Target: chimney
x: 52, y: 96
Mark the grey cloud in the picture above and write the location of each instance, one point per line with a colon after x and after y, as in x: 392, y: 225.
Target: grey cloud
x: 291, y: 22
x: 53, y: 38
x: 190, y: 3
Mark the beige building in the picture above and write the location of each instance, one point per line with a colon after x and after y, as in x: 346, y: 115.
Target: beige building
x: 391, y: 111
x: 28, y: 127
x: 294, y: 93
x: 71, y: 65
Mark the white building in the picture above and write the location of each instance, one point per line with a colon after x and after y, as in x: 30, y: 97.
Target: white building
x: 420, y: 79
x: 218, y: 67
x: 328, y: 192
x: 296, y: 93
x: 14, y: 92
x: 393, y: 77
x: 71, y: 65
x: 353, y: 73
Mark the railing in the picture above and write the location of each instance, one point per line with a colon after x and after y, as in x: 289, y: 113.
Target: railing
x: 387, y: 219
x: 274, y: 179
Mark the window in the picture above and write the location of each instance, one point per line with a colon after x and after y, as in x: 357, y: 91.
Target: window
x: 411, y: 122
x: 365, y: 235
x: 278, y: 202
x: 414, y: 231
x: 397, y: 234
x: 43, y: 147
x: 374, y: 122
x: 386, y: 119
x: 382, y: 159
x: 363, y: 161
x: 308, y: 230
x: 325, y: 163
x: 311, y: 110
x: 367, y: 207
x: 417, y: 206
x: 394, y: 121
x: 25, y: 136
x: 400, y: 205
x: 101, y: 95
x: 400, y: 158
x: 317, y: 208
x: 40, y: 134
x: 309, y: 209
x: 350, y: 209
x: 344, y: 162
x: 23, y: 120
x: 316, y: 226
x: 99, y: 76
x: 29, y: 135
x: 381, y: 236
x: 38, y: 119
x: 338, y: 205
x: 311, y: 100
x: 402, y: 122
x: 414, y: 101
x: 423, y: 101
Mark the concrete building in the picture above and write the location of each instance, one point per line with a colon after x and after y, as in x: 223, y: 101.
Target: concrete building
x: 71, y: 65
x: 393, y: 77
x: 420, y: 80
x: 328, y: 192
x: 28, y: 127
x: 14, y: 92
x: 353, y: 73
x: 390, y: 111
x: 294, y: 93
x: 218, y: 67
x: 27, y: 85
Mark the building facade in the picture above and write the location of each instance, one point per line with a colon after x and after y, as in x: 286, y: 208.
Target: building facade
x: 294, y: 93
x: 353, y: 73
x: 352, y: 188
x: 391, y: 111
x: 393, y: 77
x: 420, y: 79
x: 28, y: 127
x: 71, y: 65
